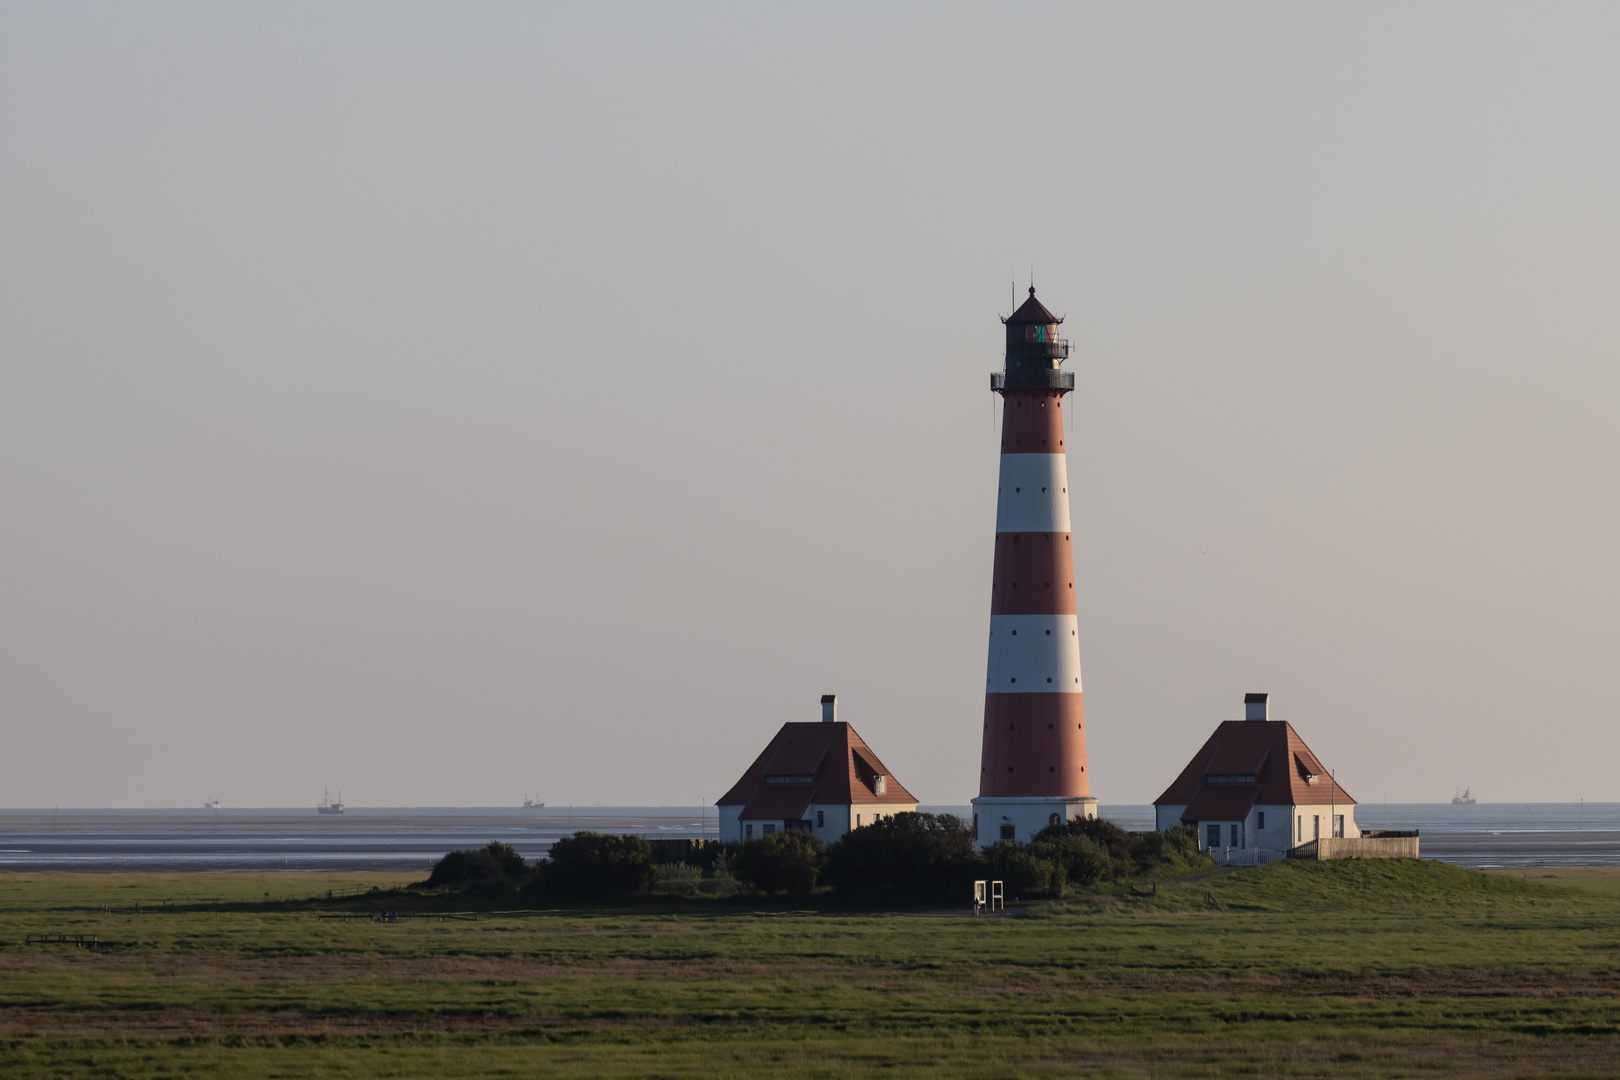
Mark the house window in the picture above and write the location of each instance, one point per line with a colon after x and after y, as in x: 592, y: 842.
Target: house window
x: 1237, y: 836
x: 1007, y: 833
x: 748, y: 832
x: 1052, y: 819
x: 1338, y: 826
x: 857, y: 821
x: 770, y: 830
x: 1260, y: 819
x: 1214, y: 836
x: 1316, y: 826
x: 1299, y: 830
x: 821, y: 819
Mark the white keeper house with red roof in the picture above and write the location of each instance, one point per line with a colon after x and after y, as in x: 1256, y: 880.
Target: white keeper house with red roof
x: 819, y: 778
x: 1255, y: 785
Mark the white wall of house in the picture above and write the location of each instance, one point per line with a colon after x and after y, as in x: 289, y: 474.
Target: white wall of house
x: 1282, y: 827
x: 828, y: 821
x: 729, y: 828
x: 1311, y: 818
x: 1167, y: 817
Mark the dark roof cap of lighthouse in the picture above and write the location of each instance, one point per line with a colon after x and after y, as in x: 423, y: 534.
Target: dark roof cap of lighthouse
x: 1032, y: 311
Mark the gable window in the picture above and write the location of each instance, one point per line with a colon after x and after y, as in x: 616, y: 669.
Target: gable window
x: 748, y: 831
x: 821, y: 819
x: 1260, y: 822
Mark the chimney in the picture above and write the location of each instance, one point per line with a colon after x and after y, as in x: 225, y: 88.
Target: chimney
x: 829, y: 708
x: 1254, y: 706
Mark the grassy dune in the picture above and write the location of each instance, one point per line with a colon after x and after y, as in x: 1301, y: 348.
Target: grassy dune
x: 1295, y: 969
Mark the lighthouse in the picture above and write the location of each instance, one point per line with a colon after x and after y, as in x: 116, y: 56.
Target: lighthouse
x: 1032, y: 769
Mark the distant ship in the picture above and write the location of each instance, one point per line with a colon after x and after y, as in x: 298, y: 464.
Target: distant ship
x: 530, y: 804
x: 210, y: 803
x: 327, y: 806
x: 1465, y: 799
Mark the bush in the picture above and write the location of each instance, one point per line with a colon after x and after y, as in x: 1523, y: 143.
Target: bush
x: 1084, y: 861
x: 494, y: 866
x: 785, y: 862
x: 1023, y: 872
x: 594, y: 865
x: 1176, y: 846
x: 916, y: 854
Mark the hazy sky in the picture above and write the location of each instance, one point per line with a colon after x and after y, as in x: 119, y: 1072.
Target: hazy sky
x: 452, y: 402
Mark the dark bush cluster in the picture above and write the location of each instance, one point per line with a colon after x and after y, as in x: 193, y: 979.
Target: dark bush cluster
x: 592, y: 866
x: 492, y: 868
x: 910, y: 856
x: 1087, y: 852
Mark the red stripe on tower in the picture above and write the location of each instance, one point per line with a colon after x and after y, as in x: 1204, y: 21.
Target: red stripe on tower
x: 1033, y: 766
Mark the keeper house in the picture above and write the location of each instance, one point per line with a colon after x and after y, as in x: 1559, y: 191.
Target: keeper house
x: 1255, y: 784
x: 817, y: 778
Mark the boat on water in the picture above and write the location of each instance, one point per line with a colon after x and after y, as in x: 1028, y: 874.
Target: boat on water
x: 327, y: 806
x: 531, y: 804
x: 1465, y: 799
x: 210, y: 803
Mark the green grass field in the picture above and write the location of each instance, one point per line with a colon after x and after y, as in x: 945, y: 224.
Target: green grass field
x: 1355, y: 969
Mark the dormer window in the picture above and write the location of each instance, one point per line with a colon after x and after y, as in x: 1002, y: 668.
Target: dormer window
x: 795, y: 778
x: 1230, y: 778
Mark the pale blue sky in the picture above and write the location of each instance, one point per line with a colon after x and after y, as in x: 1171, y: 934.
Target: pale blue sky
x: 448, y: 402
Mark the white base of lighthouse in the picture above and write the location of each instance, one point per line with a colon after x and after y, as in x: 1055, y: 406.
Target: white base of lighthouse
x: 1021, y: 818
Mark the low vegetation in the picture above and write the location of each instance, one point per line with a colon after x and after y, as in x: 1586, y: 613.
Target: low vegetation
x: 1354, y: 969
x: 904, y: 860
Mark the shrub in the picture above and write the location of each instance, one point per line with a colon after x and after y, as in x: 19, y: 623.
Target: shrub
x: 495, y: 865
x: 785, y: 862
x: 594, y: 865
x: 1022, y: 871
x: 1174, y: 846
x: 917, y: 854
x: 1093, y: 850
x: 1084, y: 861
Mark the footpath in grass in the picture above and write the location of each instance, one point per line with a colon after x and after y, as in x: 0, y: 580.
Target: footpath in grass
x: 1376, y: 968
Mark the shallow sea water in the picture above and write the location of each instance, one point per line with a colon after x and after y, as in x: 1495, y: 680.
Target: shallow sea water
x: 410, y: 839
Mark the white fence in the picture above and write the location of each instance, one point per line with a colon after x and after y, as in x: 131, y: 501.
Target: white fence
x: 1233, y: 856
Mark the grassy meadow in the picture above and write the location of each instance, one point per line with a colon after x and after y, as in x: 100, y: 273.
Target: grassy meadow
x: 1354, y: 969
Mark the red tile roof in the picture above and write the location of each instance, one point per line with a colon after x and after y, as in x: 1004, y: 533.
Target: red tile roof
x: 1269, y: 750
x: 1221, y: 802
x: 841, y: 766
x: 779, y: 802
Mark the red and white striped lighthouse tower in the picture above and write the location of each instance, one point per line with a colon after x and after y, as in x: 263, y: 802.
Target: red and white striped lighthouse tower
x: 1033, y: 767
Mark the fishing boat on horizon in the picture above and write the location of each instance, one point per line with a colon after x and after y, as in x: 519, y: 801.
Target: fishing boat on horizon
x: 1465, y: 799
x: 531, y: 804
x: 327, y: 806
x: 210, y: 803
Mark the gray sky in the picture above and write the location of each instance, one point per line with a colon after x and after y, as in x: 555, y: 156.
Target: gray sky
x: 445, y: 403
